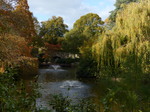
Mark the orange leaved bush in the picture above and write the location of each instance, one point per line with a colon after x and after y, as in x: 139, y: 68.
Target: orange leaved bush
x: 12, y: 47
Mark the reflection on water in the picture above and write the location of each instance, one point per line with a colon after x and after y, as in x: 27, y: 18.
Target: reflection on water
x: 60, y: 81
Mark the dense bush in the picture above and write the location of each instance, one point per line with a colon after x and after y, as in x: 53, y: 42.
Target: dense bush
x: 15, y: 51
x: 28, y: 66
x: 12, y: 47
x: 87, y: 67
x: 13, y: 94
x: 123, y: 99
x: 64, y: 104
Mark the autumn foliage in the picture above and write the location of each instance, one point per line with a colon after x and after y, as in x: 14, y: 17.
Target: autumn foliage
x: 51, y: 50
x: 16, y: 31
x: 53, y: 47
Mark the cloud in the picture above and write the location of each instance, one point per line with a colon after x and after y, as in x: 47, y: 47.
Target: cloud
x: 70, y: 10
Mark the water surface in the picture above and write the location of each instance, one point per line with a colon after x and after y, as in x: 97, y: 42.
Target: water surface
x: 61, y: 81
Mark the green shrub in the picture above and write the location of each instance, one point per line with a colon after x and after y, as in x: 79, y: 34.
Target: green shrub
x: 64, y: 104
x: 13, y: 94
x: 60, y: 103
x: 123, y: 100
x: 87, y: 66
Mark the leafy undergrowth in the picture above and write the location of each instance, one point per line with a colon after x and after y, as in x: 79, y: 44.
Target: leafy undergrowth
x: 13, y: 94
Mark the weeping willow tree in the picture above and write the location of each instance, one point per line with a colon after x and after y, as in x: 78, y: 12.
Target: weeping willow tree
x: 127, y: 46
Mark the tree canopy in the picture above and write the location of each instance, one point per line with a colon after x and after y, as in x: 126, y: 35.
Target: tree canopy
x: 127, y: 46
x: 87, y: 27
x: 53, y: 30
x: 118, y: 6
x: 16, y: 30
x: 18, y: 20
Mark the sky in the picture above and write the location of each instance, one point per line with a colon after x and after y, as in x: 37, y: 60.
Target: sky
x: 70, y: 10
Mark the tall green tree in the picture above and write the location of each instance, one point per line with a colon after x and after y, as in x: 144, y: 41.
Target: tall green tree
x: 80, y: 39
x: 127, y: 46
x: 53, y: 30
x: 89, y: 25
x: 86, y: 28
